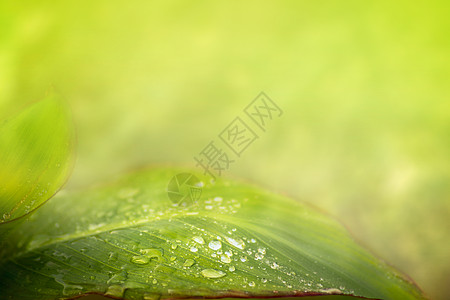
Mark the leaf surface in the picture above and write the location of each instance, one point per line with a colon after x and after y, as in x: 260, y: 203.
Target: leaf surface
x: 36, y: 157
x: 129, y: 240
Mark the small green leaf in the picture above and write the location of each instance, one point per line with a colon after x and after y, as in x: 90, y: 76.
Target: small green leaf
x: 235, y: 241
x: 35, y: 156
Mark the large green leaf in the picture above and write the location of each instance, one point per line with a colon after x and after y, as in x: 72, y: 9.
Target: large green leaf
x: 35, y: 156
x: 129, y: 240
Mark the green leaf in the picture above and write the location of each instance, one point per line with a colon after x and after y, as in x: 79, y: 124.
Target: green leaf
x: 35, y: 157
x: 128, y: 239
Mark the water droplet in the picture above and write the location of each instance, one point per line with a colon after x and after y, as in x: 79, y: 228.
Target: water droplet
x: 115, y: 291
x: 212, y: 273
x: 193, y: 249
x: 251, y: 284
x: 243, y: 258
x: 225, y: 259
x: 174, y: 246
x: 274, y: 266
x: 152, y: 253
x: 6, y: 216
x: 118, y: 278
x: 140, y: 259
x: 218, y: 199
x: 263, y: 280
x: 155, y: 281
x: 231, y: 268
x: 331, y: 291
x: 188, y: 263
x: 67, y: 288
x: 252, y: 241
x: 238, y: 243
x: 262, y: 250
x: 208, y: 207
x: 215, y: 245
x: 199, y: 239
x: 229, y: 253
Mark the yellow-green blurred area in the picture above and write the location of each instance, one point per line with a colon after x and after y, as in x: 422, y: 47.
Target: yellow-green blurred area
x: 364, y: 86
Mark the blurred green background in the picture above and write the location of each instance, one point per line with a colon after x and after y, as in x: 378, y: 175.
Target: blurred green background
x: 364, y: 86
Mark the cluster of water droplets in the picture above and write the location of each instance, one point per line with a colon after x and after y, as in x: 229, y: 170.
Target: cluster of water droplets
x: 233, y: 256
x: 38, y: 192
x: 222, y: 206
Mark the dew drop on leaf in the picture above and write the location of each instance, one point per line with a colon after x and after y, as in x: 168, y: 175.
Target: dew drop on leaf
x: 67, y: 288
x: 115, y: 291
x: 238, y: 243
x: 212, y: 273
x: 199, y: 240
x: 188, y: 263
x: 259, y: 256
x: 152, y: 253
x: 140, y: 259
x: 118, y: 278
x: 331, y: 291
x: 215, y: 245
x: 225, y: 259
